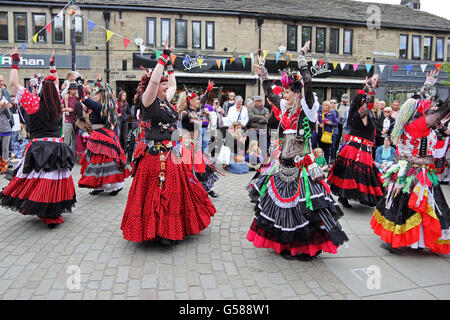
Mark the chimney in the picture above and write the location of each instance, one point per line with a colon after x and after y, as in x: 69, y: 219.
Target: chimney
x: 412, y: 4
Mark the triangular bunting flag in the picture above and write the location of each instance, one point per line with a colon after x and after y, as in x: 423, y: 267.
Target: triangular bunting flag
x: 355, y: 67
x: 109, y: 35
x: 395, y: 68
x: 243, y: 61
x: 314, y: 62
x: 24, y: 45
x: 187, y: 60
x: 368, y: 67
x: 342, y: 64
x: 334, y: 65
x: 91, y: 25
x: 125, y: 42
x: 265, y: 53
x: 200, y: 61
x: 158, y: 54
x: 438, y: 66
x: 321, y: 62
x: 173, y: 58
x: 423, y: 67
x: 224, y: 62
x: 35, y: 38
x: 408, y: 68
x: 219, y: 62
x: 287, y: 62
x: 60, y: 14
x: 231, y: 60
x: 252, y: 56
x: 277, y: 56
x: 142, y: 48
x: 49, y: 28
x: 381, y: 67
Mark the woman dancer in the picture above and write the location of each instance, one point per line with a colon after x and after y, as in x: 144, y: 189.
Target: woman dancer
x: 193, y: 157
x: 103, y: 165
x: 354, y: 174
x: 166, y: 202
x: 414, y: 211
x: 295, y: 216
x: 43, y: 184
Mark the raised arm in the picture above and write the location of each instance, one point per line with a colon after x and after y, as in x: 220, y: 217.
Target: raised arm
x: 306, y: 75
x: 14, y: 73
x: 53, y: 70
x: 172, y: 80
x: 267, y: 87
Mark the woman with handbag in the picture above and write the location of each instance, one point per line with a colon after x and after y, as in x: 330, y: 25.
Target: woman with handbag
x: 327, y: 123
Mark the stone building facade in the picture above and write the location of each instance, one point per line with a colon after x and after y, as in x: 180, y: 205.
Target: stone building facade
x: 215, y: 33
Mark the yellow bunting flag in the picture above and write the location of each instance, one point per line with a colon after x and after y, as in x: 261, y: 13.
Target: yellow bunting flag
x: 231, y: 60
x: 265, y: 53
x: 109, y: 35
x: 335, y: 65
x: 219, y: 62
x: 35, y: 38
x: 200, y: 61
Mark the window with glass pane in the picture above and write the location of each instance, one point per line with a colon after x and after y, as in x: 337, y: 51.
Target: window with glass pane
x: 320, y: 39
x: 427, y: 41
x: 3, y: 26
x: 403, y: 52
x: 210, y: 41
x: 151, y: 31
x: 292, y: 38
x: 78, y: 28
x: 306, y: 36
x: 58, y: 29
x: 348, y: 41
x: 20, y: 25
x: 181, y: 33
x: 334, y: 40
x: 416, y: 47
x: 439, y: 49
x: 39, y: 25
x: 165, y: 31
x: 448, y: 50
x: 196, y: 34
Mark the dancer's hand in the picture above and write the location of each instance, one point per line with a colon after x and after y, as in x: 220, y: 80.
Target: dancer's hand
x: 306, y: 46
x: 432, y: 77
x: 14, y: 51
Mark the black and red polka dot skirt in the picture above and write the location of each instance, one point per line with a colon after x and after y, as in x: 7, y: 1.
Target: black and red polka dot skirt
x: 172, y: 210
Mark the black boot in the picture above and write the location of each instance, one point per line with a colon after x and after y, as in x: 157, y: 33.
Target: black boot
x: 213, y: 194
x: 94, y: 192
x: 114, y: 193
x: 287, y: 255
x: 344, y: 202
x: 52, y: 225
x: 392, y: 250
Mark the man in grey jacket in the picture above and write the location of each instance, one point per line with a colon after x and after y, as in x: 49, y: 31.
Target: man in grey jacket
x: 257, y: 125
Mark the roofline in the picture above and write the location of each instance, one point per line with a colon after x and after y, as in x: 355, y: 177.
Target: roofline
x: 242, y: 14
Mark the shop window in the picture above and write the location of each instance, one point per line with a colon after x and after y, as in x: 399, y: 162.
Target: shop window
x: 180, y: 33
x: 78, y: 28
x: 39, y: 22
x: 210, y: 41
x: 334, y: 40
x: 306, y: 36
x: 58, y: 29
x: 439, y: 49
x: 348, y: 41
x: 165, y: 31
x: 20, y: 27
x: 321, y: 34
x: 403, y: 52
x: 291, y: 38
x: 151, y: 32
x: 196, y: 34
x: 427, y: 45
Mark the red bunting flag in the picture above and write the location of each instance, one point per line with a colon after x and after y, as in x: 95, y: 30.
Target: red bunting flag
x: 321, y: 62
x: 438, y: 66
x: 126, y: 42
x: 395, y: 68
x: 49, y: 28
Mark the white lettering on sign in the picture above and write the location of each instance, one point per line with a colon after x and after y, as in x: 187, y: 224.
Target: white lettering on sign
x: 316, y: 70
x: 190, y: 63
x: 24, y: 62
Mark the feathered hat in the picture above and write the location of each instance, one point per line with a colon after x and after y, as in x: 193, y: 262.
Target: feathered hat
x: 291, y: 79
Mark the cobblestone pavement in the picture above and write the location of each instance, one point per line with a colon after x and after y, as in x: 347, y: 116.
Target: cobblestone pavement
x: 219, y: 263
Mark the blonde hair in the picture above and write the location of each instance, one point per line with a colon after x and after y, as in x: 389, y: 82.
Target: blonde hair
x: 317, y: 150
x: 182, y: 104
x: 251, y: 144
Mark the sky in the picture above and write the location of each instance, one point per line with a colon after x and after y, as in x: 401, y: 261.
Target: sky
x: 437, y: 7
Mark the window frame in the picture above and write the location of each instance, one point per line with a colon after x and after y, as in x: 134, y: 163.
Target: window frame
x: 16, y: 14
x: 185, y: 22
x: 430, y: 55
x: 169, y: 35
x: 147, y: 29
x: 64, y: 29
x: 82, y: 30
x: 33, y: 15
x: 443, y: 51
x: 413, y: 56
x: 324, y: 39
x: 448, y: 49
x: 310, y: 36
x: 351, y: 42
x: 210, y: 23
x: 7, y: 26
x: 337, y: 42
x: 295, y: 47
x: 406, y: 47
x: 197, y: 22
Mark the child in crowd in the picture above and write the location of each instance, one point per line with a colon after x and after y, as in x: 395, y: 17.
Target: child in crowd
x: 320, y: 159
x: 253, y: 156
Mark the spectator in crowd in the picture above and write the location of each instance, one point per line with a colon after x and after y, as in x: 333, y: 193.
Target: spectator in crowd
x: 126, y: 114
x: 320, y: 159
x: 395, y: 109
x: 388, y: 122
x: 377, y: 115
x: 336, y: 133
x: 69, y: 110
x: 5, y: 125
x: 382, y: 105
x: 385, y: 155
x: 343, y: 108
x: 254, y: 157
x: 238, y: 112
x: 257, y: 124
x: 229, y: 103
x: 327, y: 123
x: 236, y: 142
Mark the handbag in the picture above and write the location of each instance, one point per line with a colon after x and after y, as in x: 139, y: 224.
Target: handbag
x: 326, y: 136
x: 224, y: 155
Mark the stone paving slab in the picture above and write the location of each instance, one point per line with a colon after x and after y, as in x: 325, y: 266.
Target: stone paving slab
x: 87, y: 258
